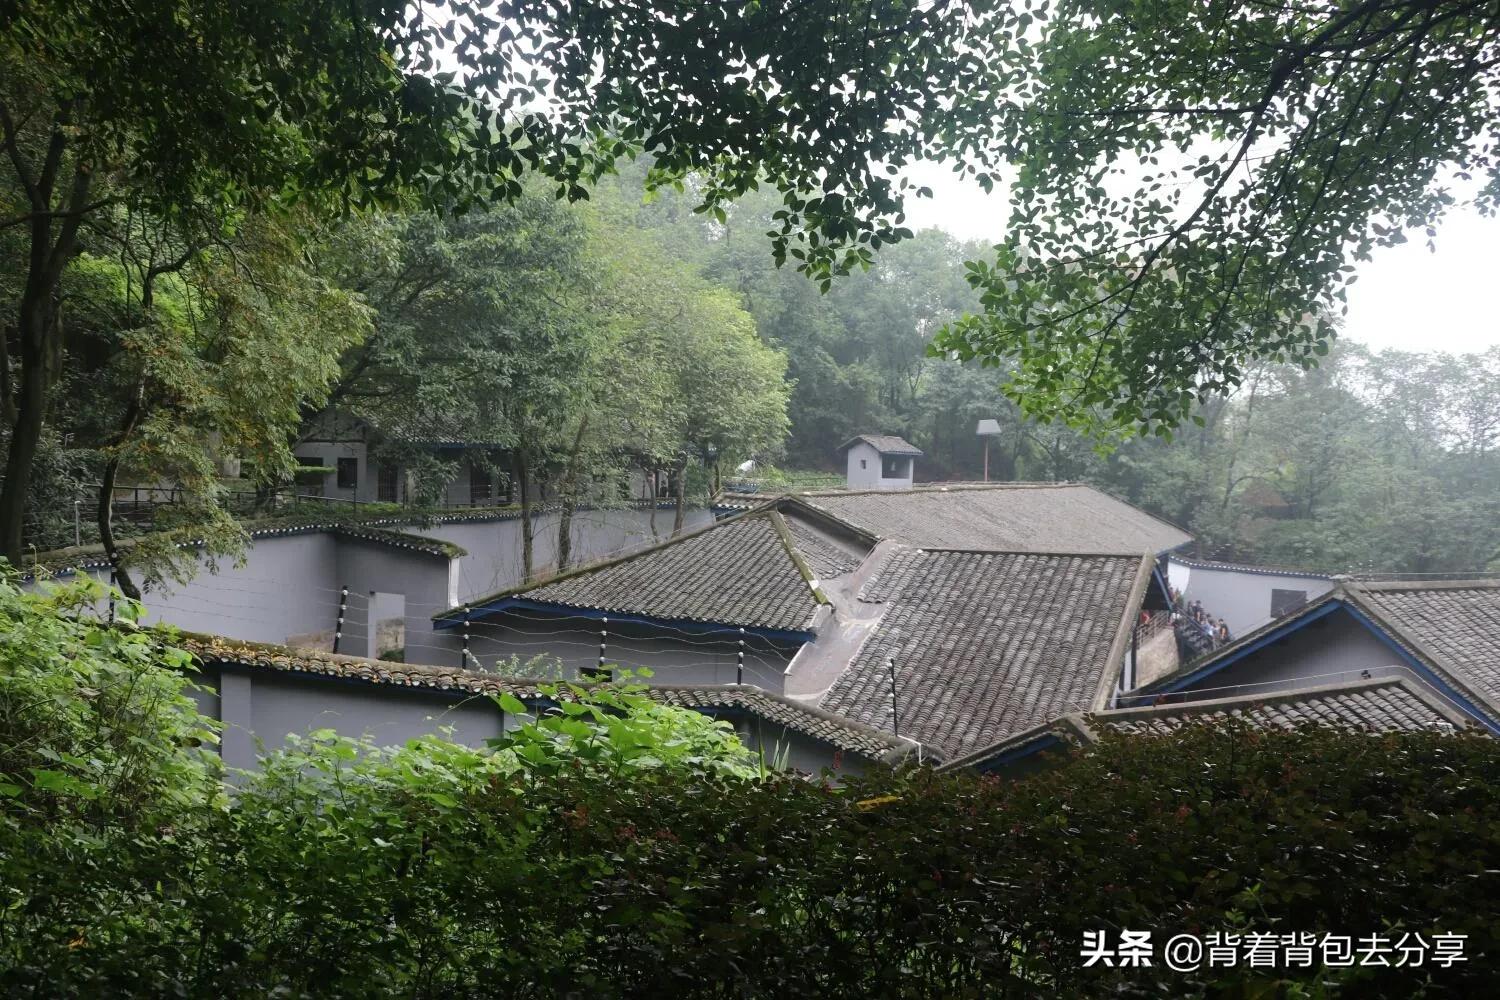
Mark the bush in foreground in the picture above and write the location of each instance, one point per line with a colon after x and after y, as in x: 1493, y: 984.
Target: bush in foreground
x: 621, y: 848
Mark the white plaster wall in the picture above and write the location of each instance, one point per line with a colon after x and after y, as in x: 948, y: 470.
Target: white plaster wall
x: 287, y: 586
x: 329, y: 452
x: 863, y: 467
x: 868, y: 475
x: 797, y: 751
x: 260, y: 710
x: 300, y: 706
x: 1178, y: 575
x: 371, y: 567
x: 686, y: 659
x: 494, y: 560
x: 1243, y: 599
x: 1332, y: 649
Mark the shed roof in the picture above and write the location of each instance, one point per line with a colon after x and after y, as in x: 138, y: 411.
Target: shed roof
x: 886, y: 444
x: 1394, y: 703
x: 1453, y: 625
x: 987, y: 644
x: 843, y: 734
x: 1011, y: 517
x: 1449, y: 627
x: 744, y: 571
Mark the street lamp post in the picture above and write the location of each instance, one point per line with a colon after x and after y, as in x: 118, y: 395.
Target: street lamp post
x: 987, y: 429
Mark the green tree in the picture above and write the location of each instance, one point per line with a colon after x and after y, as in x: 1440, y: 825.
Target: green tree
x: 714, y: 390
x: 1194, y: 182
x: 199, y: 349
x: 177, y: 106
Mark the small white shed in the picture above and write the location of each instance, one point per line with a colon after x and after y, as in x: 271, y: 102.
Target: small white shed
x: 880, y: 462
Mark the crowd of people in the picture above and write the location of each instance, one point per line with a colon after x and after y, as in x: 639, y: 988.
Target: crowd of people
x: 1215, y: 629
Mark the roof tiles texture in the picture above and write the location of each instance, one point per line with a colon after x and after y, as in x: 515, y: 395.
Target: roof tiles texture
x: 740, y: 573
x: 1385, y: 707
x: 813, y: 722
x: 1012, y: 518
x: 826, y: 557
x: 1458, y: 624
x: 784, y: 712
x: 886, y: 444
x: 985, y: 644
x: 1387, y: 704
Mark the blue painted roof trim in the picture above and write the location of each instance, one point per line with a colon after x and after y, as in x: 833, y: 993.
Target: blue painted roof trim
x: 453, y: 620
x: 1417, y: 666
x: 1208, y: 670
x: 1046, y: 741
x: 1161, y: 581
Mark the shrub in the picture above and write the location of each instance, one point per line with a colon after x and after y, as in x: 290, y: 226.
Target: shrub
x: 620, y: 848
x: 434, y: 870
x: 107, y: 779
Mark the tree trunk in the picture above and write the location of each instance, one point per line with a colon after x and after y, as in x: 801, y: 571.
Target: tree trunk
x: 678, y: 517
x: 25, y: 436
x: 569, y: 498
x: 651, y: 473
x: 38, y: 328
x: 106, y: 516
x: 107, y: 530
x: 523, y: 483
x: 41, y: 356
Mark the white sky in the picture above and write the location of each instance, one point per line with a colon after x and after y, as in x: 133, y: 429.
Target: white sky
x: 1407, y: 297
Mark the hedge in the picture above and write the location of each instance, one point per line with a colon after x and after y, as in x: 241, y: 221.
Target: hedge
x: 625, y: 851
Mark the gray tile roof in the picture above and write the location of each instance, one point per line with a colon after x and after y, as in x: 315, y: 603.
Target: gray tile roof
x: 886, y: 444
x: 1011, y: 517
x: 743, y: 571
x: 1387, y: 704
x: 399, y: 540
x: 1454, y: 625
x: 987, y: 644
x: 844, y: 734
x: 78, y: 559
x: 213, y: 649
x: 826, y: 558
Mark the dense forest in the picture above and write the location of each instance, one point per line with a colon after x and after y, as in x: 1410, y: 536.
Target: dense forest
x: 1367, y: 463
x: 627, y: 332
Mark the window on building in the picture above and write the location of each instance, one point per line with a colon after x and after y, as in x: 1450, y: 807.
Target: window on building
x: 386, y: 483
x: 348, y: 473
x: 894, y: 466
x: 479, y: 485
x: 1284, y: 602
x: 863, y: 464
